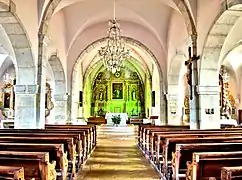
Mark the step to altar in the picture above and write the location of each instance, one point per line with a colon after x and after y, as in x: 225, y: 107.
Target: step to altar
x: 119, y: 132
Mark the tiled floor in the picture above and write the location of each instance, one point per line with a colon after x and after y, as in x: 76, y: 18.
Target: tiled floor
x: 117, y: 157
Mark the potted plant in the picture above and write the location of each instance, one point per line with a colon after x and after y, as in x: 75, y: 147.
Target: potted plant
x: 116, y: 120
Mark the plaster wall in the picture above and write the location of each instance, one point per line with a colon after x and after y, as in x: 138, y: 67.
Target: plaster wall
x: 57, y: 33
x: 28, y: 14
x: 207, y: 13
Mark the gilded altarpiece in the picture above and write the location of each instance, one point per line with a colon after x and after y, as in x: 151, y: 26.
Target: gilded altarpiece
x: 8, y: 99
x: 118, y: 93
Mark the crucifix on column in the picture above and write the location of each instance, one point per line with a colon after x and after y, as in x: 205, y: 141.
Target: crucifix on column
x: 188, y: 63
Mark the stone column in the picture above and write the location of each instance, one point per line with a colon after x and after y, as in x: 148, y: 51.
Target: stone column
x: 41, y: 81
x: 194, y: 102
x: 163, y: 111
x: 209, y: 111
x: 60, y: 108
x: 25, y: 107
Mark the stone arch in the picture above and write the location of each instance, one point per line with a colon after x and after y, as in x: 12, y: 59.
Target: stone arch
x: 53, y: 4
x: 174, y: 70
x: 25, y: 64
x: 25, y: 113
x: 208, y: 90
x: 126, y: 39
x: 59, y: 74
x: 130, y: 41
x: 175, y: 94
x: 60, y: 89
x: 216, y: 37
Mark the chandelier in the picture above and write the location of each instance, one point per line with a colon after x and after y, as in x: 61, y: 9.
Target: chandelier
x: 114, y: 53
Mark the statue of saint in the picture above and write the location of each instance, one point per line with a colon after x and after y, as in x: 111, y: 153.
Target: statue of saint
x: 117, y: 93
x: 134, y: 95
x: 101, y: 96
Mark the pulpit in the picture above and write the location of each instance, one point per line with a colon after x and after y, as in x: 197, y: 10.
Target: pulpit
x: 123, y: 116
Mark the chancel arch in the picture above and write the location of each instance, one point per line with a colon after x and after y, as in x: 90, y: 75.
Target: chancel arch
x: 142, y: 61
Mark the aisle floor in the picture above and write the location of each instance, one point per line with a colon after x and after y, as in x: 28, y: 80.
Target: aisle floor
x: 116, y: 157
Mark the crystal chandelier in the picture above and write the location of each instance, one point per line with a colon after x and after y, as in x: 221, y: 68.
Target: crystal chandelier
x: 114, y: 53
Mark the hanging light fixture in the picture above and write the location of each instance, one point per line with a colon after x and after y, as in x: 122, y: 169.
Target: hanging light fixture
x: 114, y: 53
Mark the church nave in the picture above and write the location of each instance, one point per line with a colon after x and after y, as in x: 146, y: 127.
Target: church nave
x: 117, y: 157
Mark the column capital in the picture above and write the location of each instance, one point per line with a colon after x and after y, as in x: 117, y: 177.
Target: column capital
x: 60, y: 97
x: 208, y: 90
x: 26, y: 89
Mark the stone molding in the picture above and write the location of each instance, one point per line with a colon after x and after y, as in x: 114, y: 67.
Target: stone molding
x: 26, y: 89
x: 208, y: 90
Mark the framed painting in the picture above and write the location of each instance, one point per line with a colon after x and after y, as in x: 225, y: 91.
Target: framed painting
x: 117, y: 91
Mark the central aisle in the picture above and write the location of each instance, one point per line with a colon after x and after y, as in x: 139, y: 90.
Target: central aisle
x: 117, y: 157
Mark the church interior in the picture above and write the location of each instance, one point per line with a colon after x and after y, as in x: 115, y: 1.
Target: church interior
x: 120, y: 89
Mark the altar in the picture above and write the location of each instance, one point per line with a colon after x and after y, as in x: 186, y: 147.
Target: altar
x: 124, y: 118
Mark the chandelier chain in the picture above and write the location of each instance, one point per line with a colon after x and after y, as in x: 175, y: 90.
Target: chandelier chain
x: 115, y: 52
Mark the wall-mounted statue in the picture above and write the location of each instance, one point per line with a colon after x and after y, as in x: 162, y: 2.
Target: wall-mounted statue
x: 133, y: 95
x: 49, y: 105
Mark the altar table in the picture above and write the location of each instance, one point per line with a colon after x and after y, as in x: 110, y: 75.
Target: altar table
x: 124, y: 118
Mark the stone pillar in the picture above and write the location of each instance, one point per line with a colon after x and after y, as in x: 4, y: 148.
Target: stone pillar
x: 60, y: 108
x: 163, y: 111
x: 41, y: 81
x: 209, y: 111
x: 25, y: 107
x: 194, y: 102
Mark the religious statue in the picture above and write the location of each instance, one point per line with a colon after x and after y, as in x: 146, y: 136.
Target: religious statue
x: 117, y: 93
x: 101, y: 95
x: 134, y: 95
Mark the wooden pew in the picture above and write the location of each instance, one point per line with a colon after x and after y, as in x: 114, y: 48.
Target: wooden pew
x: 10, y: 172
x: 144, y: 127
x: 91, y: 128
x: 78, y: 139
x: 152, y: 136
x: 56, y: 153
x: 68, y: 142
x: 165, y: 146
x: 183, y: 154
x: 36, y: 164
x: 231, y: 173
x: 207, y: 165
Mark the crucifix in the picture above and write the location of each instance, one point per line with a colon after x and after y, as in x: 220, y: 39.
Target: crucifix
x: 188, y: 63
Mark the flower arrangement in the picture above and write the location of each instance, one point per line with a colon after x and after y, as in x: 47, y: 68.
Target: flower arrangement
x: 116, y: 119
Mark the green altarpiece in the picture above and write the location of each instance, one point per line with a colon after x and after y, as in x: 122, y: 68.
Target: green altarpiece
x: 122, y: 92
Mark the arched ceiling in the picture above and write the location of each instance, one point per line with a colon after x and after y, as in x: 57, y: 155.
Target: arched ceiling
x: 141, y: 60
x: 144, y: 20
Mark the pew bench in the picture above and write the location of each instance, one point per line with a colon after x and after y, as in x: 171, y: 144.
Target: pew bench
x: 35, y: 164
x: 68, y: 142
x: 231, y: 173
x: 184, y: 152
x: 207, y: 165
x: 166, y: 146
x: 56, y: 153
x: 10, y: 172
